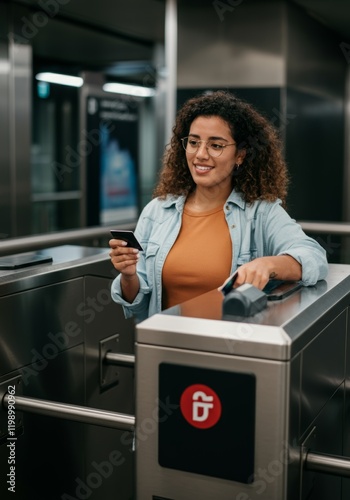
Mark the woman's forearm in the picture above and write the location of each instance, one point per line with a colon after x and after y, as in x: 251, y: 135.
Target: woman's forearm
x: 284, y: 267
x: 130, y: 286
x: 259, y: 271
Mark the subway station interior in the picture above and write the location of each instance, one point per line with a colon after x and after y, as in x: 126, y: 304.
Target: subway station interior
x: 90, y: 398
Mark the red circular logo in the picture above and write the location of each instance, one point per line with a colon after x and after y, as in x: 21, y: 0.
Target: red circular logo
x: 200, y: 406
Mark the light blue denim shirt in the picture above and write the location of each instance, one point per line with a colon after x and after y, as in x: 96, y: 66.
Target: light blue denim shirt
x: 257, y: 230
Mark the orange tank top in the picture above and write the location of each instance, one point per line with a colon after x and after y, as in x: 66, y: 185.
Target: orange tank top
x: 200, y: 259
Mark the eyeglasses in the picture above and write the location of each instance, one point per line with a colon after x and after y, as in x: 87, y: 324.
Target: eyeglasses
x: 214, y: 148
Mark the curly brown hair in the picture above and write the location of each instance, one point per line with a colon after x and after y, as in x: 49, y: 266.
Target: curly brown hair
x: 263, y: 174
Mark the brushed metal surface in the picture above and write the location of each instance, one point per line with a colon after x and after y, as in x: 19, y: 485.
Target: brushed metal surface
x: 346, y: 436
x: 271, y: 449
x: 75, y: 413
x: 20, y: 121
x: 279, y: 332
x: 5, y: 172
x: 329, y: 434
x: 323, y: 369
x: 49, y: 452
x: 36, y: 325
x: 69, y: 261
x: 59, y: 362
x: 299, y: 352
x: 103, y: 319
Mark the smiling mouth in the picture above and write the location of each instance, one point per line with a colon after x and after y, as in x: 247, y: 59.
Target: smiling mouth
x: 202, y: 168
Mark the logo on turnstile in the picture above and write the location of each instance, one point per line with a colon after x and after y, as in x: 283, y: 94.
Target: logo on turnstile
x: 200, y: 406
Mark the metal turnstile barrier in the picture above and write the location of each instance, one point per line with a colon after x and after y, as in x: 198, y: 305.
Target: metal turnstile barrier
x: 67, y: 395
x: 242, y: 408
x: 251, y: 408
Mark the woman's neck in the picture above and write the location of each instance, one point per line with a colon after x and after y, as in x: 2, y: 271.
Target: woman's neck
x: 200, y: 201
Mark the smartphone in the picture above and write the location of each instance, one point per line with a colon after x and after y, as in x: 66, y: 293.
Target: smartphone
x: 19, y: 261
x: 128, y: 236
x: 278, y: 290
x: 227, y: 286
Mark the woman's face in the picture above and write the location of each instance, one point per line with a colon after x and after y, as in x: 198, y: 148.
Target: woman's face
x: 208, y: 171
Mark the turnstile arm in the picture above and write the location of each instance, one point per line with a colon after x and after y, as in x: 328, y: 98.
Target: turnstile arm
x: 329, y: 464
x: 113, y: 358
x: 81, y: 414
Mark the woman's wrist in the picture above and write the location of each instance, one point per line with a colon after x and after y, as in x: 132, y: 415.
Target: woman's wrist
x: 129, y: 279
x: 129, y: 286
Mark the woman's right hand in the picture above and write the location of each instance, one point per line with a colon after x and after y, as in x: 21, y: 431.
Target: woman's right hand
x: 123, y: 258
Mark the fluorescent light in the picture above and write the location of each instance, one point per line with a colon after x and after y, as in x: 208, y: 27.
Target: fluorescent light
x: 72, y: 81
x: 121, y: 88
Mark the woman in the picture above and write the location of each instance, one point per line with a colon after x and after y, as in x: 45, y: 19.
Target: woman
x: 218, y: 207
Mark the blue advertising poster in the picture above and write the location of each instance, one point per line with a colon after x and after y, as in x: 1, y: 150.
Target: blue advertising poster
x: 112, y: 169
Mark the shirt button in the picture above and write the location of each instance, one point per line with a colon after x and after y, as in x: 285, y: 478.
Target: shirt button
x: 233, y: 226
x: 227, y: 207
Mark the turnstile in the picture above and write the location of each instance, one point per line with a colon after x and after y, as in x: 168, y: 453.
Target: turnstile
x: 58, y: 326
x: 253, y: 408
x: 244, y: 409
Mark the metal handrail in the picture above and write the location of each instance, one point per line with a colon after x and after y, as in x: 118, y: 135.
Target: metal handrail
x: 80, y: 414
x: 30, y: 243
x: 113, y: 358
x: 316, y: 462
x: 329, y: 464
x: 340, y: 228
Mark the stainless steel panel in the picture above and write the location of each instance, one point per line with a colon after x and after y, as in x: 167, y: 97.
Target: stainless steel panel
x: 235, y: 44
x: 315, y: 95
x: 301, y: 388
x: 346, y: 437
x: 20, y: 99
x: 272, y: 408
x: 293, y: 485
x: 102, y: 319
x: 323, y: 369
x: 38, y: 324
x: 308, y: 40
x: 223, y: 337
x: 328, y: 439
x: 279, y: 332
x: 5, y: 180
x: 57, y: 362
x: 49, y: 452
x: 68, y: 262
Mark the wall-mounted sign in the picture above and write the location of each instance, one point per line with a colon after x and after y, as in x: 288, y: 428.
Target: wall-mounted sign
x: 111, y: 163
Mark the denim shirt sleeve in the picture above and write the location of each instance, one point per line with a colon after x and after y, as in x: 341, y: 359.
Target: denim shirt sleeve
x: 157, y: 229
x: 283, y: 236
x: 139, y: 307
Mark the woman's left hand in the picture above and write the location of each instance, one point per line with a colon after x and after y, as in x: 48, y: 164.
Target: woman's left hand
x: 259, y: 271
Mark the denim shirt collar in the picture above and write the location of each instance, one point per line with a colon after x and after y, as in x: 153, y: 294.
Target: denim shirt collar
x: 179, y: 201
x: 236, y: 198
